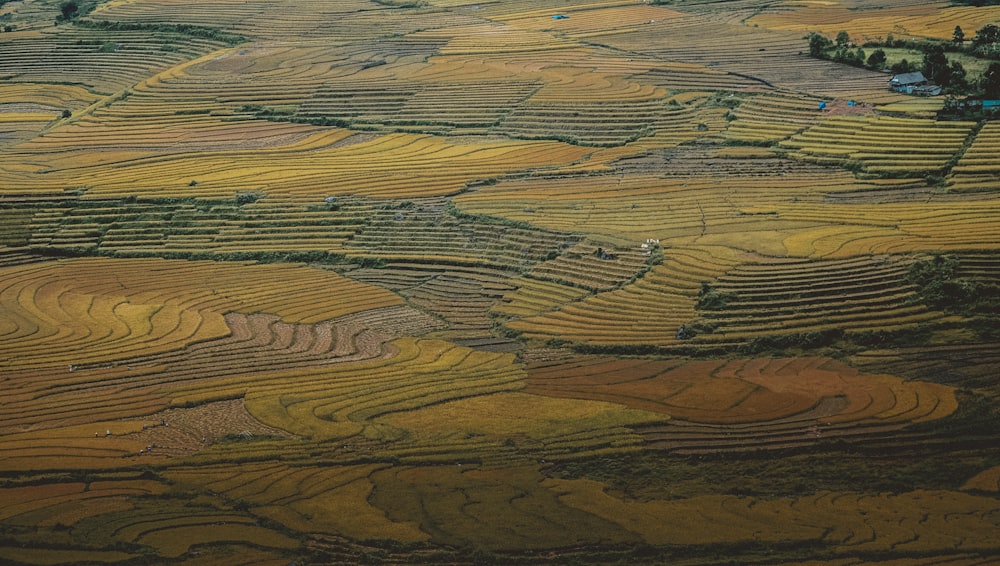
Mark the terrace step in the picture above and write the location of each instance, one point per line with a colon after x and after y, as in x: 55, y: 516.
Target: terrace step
x: 797, y: 296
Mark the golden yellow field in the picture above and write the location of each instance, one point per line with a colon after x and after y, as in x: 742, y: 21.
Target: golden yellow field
x: 917, y: 18
x: 452, y: 282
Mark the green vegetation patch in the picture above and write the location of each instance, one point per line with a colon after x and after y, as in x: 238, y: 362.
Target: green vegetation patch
x: 958, y: 66
x: 943, y: 285
x: 201, y: 32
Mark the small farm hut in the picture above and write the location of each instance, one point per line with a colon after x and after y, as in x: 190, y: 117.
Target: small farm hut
x: 902, y: 81
x: 913, y: 83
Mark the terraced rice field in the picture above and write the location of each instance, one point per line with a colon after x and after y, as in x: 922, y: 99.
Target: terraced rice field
x: 595, y: 282
x: 887, y: 145
x: 807, y: 296
x: 977, y: 170
x: 912, y: 18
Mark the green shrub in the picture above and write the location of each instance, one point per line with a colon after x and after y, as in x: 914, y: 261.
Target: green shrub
x: 250, y: 197
x: 712, y: 299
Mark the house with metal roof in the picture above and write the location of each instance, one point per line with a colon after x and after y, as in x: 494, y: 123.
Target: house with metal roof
x: 913, y: 83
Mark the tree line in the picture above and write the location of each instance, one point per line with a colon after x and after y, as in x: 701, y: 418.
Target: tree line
x: 935, y: 64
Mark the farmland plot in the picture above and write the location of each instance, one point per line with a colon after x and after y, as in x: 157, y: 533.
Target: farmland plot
x: 918, y: 18
x: 299, y: 170
x: 648, y: 311
x: 881, y: 145
x: 101, y: 61
x: 793, y: 297
x: 977, y: 169
x: 747, y: 405
x: 115, y: 306
x: 520, y: 282
x: 772, y: 58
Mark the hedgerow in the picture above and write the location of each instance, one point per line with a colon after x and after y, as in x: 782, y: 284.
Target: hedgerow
x: 201, y: 32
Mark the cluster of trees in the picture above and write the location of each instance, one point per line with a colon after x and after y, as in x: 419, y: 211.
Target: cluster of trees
x: 940, y: 285
x: 936, y: 66
x: 72, y: 9
x: 986, y: 42
x: 6, y: 17
x: 940, y: 71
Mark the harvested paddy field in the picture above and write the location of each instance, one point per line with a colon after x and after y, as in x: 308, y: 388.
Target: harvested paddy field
x: 588, y: 282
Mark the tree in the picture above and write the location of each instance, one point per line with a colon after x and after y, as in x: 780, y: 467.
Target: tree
x: 985, y: 42
x: 818, y: 44
x: 69, y: 10
x: 957, y: 77
x: 843, y: 39
x: 854, y: 57
x: 991, y: 82
x: 877, y: 59
x: 988, y: 34
x: 936, y: 67
x: 958, y: 36
x: 903, y: 66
